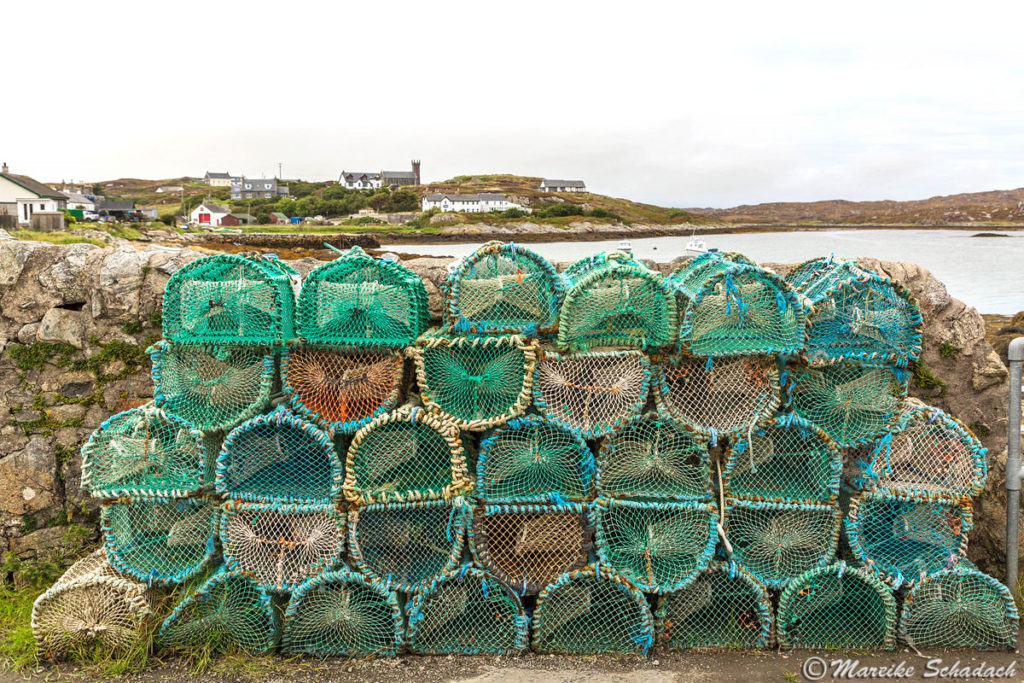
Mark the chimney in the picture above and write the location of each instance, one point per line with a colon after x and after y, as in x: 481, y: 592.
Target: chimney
x: 4, y: 171
x: 416, y: 170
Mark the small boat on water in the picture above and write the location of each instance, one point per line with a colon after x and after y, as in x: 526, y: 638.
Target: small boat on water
x: 696, y: 246
x: 626, y: 246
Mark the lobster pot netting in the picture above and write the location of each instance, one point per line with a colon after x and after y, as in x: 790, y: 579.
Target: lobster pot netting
x: 531, y: 460
x: 502, y: 287
x: 279, y: 458
x: 779, y: 541
x: 577, y: 269
x: 744, y: 311
x: 160, y: 541
x: 906, y: 539
x: 281, y: 545
x: 342, y: 389
x: 406, y: 455
x: 213, y: 388
x: 654, y: 457
x: 689, y: 278
x: 343, y: 614
x: 851, y: 403
x: 837, y: 607
x: 231, y: 299
x: 529, y: 546
x: 143, y: 451
x: 592, y: 611
x: 478, y: 382
x: 658, y: 547
x: 230, y: 611
x: 785, y: 458
x: 360, y: 300
x: 90, y: 609
x: 726, y: 607
x: 927, y: 453
x: 592, y: 392
x: 406, y: 546
x: 960, y: 607
x: 717, y: 396
x: 468, y: 612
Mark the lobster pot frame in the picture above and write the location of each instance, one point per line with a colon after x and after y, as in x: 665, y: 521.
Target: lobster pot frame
x: 529, y: 546
x: 532, y: 460
x: 160, y: 541
x: 343, y: 388
x: 654, y: 457
x: 230, y: 609
x: 213, y: 388
x: 592, y: 392
x: 281, y: 545
x: 837, y: 607
x: 619, y: 303
x: 717, y: 396
x: 241, y: 300
x: 467, y: 612
x: 906, y: 539
x: 407, y: 546
x: 659, y: 547
x: 927, y: 453
x: 343, y: 614
x: 90, y: 608
x: 577, y: 269
x: 725, y: 607
x: 280, y: 458
x: 143, y: 451
x: 406, y: 455
x: 785, y: 458
x: 960, y: 607
x: 690, y: 277
x: 503, y: 288
x: 477, y: 382
x: 744, y: 311
x: 592, y: 611
x: 779, y: 541
x: 857, y: 315
x: 853, y: 404
x: 359, y: 300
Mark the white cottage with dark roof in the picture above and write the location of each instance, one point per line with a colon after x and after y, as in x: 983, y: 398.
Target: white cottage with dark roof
x: 556, y: 185
x: 484, y: 202
x: 22, y: 196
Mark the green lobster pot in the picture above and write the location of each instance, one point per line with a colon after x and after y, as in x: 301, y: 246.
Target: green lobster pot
x: 690, y: 277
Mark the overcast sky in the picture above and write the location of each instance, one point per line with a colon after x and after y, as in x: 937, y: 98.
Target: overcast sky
x: 679, y: 104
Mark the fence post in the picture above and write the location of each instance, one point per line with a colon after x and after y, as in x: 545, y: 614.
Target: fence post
x: 1013, y: 465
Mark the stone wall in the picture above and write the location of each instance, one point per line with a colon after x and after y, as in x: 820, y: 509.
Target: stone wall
x: 75, y: 322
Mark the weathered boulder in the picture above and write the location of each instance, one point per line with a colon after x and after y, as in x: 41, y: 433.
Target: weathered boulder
x: 29, y: 478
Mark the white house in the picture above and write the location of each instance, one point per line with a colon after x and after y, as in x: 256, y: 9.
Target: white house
x: 169, y: 188
x: 208, y: 214
x: 360, y: 180
x: 214, y: 179
x: 484, y: 202
x: 77, y: 200
x: 366, y: 180
x: 22, y: 196
x: 553, y: 185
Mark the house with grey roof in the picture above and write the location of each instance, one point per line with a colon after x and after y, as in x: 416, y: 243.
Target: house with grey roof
x: 215, y: 179
x: 23, y: 197
x: 483, y: 202
x: 262, y: 188
x: 555, y: 185
x: 209, y: 215
x: 367, y: 180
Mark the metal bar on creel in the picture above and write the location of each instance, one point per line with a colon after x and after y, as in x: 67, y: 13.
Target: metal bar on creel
x: 1013, y: 464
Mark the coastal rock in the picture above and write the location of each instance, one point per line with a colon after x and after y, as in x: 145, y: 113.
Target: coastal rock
x: 63, y: 326
x: 30, y: 478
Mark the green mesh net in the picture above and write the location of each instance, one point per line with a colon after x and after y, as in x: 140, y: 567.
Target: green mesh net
x: 689, y: 278
x: 907, y: 539
x: 717, y: 396
x: 279, y: 457
x: 592, y: 611
x: 960, y: 607
x: 851, y: 403
x: 143, y: 451
x: 529, y: 546
x: 406, y: 455
x: 581, y: 267
x: 618, y: 303
x: 725, y: 607
x: 406, y: 546
x: 237, y: 299
x: 360, y: 300
x: 160, y: 540
x: 591, y: 392
x: 502, y: 287
x: 343, y: 614
x: 779, y: 541
x: 784, y: 459
x: 658, y: 546
x: 230, y: 611
x: 281, y: 545
x: 532, y: 460
x: 478, y: 382
x: 90, y: 610
x: 213, y: 388
x: 467, y: 612
x: 837, y: 607
x: 343, y: 388
x: 654, y: 457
